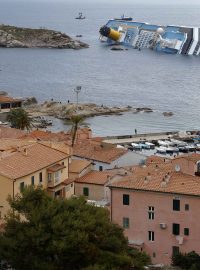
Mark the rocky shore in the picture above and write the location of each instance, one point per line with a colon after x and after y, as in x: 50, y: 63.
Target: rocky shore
x: 66, y: 110
x: 17, y: 37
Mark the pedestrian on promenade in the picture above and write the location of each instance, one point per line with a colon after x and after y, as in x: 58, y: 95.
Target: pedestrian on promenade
x: 135, y: 131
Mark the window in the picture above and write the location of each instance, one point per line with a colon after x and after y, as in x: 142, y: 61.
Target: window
x: 176, y: 205
x: 57, y: 176
x: 198, y: 167
x: 151, y: 212
x: 176, y: 228
x: 40, y: 177
x: 125, y: 223
x: 175, y: 250
x: 32, y: 180
x: 86, y: 191
x: 154, y: 254
x: 187, y: 207
x: 151, y: 236
x: 125, y: 199
x: 63, y: 163
x: 100, y: 168
x: 72, y: 185
x: 49, y: 177
x: 21, y: 186
x: 186, y: 231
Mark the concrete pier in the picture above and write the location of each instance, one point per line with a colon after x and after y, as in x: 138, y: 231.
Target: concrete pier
x: 151, y: 137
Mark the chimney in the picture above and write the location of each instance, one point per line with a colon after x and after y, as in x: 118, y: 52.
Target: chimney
x: 148, y: 177
x: 25, y: 152
x: 163, y: 183
x: 146, y: 180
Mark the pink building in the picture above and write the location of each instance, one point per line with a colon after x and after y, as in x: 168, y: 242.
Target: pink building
x: 158, y: 208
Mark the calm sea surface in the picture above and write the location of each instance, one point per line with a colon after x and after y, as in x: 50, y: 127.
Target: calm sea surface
x: 162, y: 82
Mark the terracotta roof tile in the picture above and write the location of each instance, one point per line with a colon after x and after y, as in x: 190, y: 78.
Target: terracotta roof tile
x: 7, y: 132
x: 89, y: 150
x: 191, y: 157
x: 78, y: 165
x: 25, y: 162
x: 56, y: 167
x: 5, y: 99
x: 94, y: 177
x: 155, y: 160
x: 162, y: 179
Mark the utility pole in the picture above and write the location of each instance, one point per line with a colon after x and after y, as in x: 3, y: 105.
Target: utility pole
x: 77, y: 90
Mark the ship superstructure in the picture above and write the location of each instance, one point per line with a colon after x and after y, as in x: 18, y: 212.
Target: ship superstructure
x: 170, y: 39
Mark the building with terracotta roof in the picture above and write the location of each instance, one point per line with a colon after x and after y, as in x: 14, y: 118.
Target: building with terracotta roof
x: 10, y: 133
x: 189, y: 164
x: 158, y: 207
x: 79, y: 167
x: 105, y: 157
x: 35, y: 164
x: 7, y: 103
x: 93, y: 186
x: 41, y: 135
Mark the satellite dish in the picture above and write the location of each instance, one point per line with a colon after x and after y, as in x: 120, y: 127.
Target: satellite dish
x: 177, y: 168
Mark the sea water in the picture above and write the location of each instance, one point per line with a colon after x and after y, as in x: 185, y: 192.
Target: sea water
x: 115, y: 78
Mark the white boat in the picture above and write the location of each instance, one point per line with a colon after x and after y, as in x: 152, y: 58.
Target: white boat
x: 151, y: 145
x: 120, y: 146
x: 161, y: 149
x: 191, y: 148
x: 136, y: 146
x: 164, y: 143
x: 178, y: 143
x: 172, y: 149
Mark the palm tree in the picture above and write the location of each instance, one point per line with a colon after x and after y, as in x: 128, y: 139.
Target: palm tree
x: 19, y: 119
x: 76, y: 120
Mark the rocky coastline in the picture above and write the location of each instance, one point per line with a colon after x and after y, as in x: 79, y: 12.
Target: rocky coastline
x: 18, y: 37
x: 63, y: 110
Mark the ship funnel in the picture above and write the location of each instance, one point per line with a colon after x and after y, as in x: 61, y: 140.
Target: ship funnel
x: 110, y: 33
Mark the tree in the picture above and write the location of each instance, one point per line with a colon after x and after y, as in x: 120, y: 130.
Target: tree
x: 42, y: 232
x: 19, y: 119
x: 188, y: 261
x: 139, y: 259
x: 76, y: 122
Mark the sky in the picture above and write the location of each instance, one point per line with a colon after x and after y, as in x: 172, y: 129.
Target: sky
x: 164, y: 2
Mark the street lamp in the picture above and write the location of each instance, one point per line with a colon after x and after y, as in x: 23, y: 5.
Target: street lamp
x: 77, y: 90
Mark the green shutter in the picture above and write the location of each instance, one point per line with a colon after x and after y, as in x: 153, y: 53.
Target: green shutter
x: 86, y: 191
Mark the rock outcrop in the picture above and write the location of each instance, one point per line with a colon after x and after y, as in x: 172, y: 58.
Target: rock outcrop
x: 17, y: 37
x: 66, y: 110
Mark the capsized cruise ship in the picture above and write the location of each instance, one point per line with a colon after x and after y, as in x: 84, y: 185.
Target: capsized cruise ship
x: 170, y: 39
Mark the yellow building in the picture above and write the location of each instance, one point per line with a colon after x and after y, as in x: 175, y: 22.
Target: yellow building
x: 38, y: 164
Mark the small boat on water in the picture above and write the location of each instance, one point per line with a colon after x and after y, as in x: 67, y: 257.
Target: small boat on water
x: 171, y: 150
x: 164, y: 143
x: 161, y: 149
x: 80, y: 16
x: 183, y: 149
x: 178, y: 143
x: 198, y: 146
x: 151, y: 145
x: 136, y: 146
x: 191, y: 148
x: 124, y: 18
